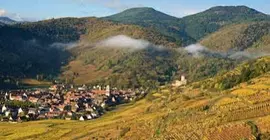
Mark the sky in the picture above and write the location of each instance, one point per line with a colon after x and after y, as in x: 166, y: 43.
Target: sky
x: 32, y: 10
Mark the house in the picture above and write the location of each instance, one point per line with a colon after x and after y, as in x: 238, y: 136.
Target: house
x: 44, y: 111
x: 10, y: 118
x: 53, y: 88
x: 41, y: 116
x: 89, y: 117
x: 10, y: 97
x: 69, y: 113
x: 81, y: 118
x: 103, y: 105
x: 4, y: 108
x: 33, y: 99
x: 94, y: 115
x: 108, y: 90
x: 61, y: 107
x: 24, y: 97
x: 53, y: 114
x: 20, y: 111
x: 18, y: 98
x: 81, y: 88
x: 7, y: 112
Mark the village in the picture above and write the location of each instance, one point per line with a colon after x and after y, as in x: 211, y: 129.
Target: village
x: 63, y: 102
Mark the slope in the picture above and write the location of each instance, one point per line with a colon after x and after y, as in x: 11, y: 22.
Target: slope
x: 149, y: 17
x: 26, y: 49
x: 240, y: 74
x: 252, y: 37
x: 211, y: 20
x: 35, y: 47
x: 170, y: 113
x: 155, y: 64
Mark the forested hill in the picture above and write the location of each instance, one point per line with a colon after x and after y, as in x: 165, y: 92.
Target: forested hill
x: 251, y: 37
x: 36, y: 50
x: 191, y: 28
x: 70, y: 49
x: 27, y: 52
x: 211, y: 20
x: 151, y: 18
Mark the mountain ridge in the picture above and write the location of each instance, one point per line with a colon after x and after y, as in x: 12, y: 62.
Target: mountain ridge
x: 193, y: 27
x: 7, y: 20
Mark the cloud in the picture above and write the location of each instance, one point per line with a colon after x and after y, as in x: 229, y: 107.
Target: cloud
x: 122, y: 41
x: 64, y: 46
x: 246, y: 55
x: 2, y: 12
x: 15, y: 16
x: 196, y: 49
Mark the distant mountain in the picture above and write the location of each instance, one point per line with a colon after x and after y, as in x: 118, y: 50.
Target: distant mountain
x: 149, y: 17
x: 140, y: 15
x: 6, y: 20
x: 199, y: 25
x: 192, y: 28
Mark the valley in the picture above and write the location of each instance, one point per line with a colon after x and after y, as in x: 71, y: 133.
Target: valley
x: 137, y: 74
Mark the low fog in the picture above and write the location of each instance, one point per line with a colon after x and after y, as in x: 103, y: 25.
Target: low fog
x: 122, y: 41
x: 126, y: 42
x: 64, y: 46
x: 198, y: 50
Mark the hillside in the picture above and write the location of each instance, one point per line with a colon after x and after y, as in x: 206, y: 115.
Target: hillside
x: 27, y: 52
x: 123, y: 67
x: 149, y: 17
x: 240, y: 74
x: 36, y: 49
x: 252, y: 37
x: 241, y: 112
x: 70, y: 49
x: 211, y: 20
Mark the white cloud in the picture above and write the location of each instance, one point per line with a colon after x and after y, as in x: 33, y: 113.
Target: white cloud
x: 2, y: 12
x: 195, y: 49
x: 198, y: 50
x: 122, y: 41
x: 64, y: 46
x: 15, y: 16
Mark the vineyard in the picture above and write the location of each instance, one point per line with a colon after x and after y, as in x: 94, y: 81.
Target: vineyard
x: 242, y: 112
